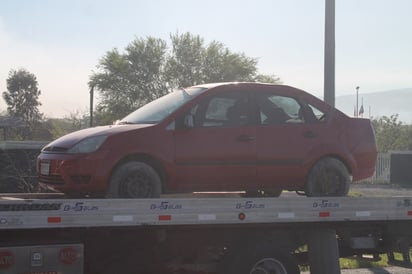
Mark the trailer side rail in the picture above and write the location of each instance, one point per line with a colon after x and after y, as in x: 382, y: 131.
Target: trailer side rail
x: 53, y: 213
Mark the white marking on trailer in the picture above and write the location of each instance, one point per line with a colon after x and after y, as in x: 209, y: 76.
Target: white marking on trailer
x: 363, y: 213
x: 286, y: 215
x: 122, y: 218
x: 206, y: 217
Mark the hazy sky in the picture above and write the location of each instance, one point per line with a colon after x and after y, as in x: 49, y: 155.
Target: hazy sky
x: 61, y: 41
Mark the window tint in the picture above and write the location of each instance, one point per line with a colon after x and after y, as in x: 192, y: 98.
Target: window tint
x: 276, y: 109
x: 319, y: 115
x: 226, y: 109
x: 288, y: 104
x: 216, y: 111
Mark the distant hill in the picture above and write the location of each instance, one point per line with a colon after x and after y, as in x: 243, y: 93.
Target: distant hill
x: 385, y: 103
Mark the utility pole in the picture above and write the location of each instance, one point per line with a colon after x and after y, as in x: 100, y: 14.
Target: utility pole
x: 91, y: 105
x: 357, y: 102
x: 329, y: 66
x: 326, y: 240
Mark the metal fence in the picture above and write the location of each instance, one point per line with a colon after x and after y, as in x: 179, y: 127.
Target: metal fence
x: 383, y: 168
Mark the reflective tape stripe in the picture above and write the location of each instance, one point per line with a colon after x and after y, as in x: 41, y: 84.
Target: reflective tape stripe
x: 206, y: 217
x: 286, y: 215
x: 324, y: 214
x: 165, y: 217
x: 54, y: 220
x: 363, y: 213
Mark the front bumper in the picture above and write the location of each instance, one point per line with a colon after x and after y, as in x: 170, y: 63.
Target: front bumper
x: 73, y: 173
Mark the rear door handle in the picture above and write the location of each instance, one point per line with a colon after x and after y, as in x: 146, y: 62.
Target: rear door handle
x: 245, y: 138
x: 309, y: 134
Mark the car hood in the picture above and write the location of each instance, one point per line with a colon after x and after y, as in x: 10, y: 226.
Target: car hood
x: 67, y: 141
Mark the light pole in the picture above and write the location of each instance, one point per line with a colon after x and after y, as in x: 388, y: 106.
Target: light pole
x: 91, y: 104
x: 357, y: 101
x: 329, y: 66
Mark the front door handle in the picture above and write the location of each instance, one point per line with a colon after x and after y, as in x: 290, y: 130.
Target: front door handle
x: 245, y: 138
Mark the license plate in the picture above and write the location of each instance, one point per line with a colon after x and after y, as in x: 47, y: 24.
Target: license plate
x: 44, y: 168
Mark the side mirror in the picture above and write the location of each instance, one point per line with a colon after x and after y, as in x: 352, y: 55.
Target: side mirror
x: 189, y: 121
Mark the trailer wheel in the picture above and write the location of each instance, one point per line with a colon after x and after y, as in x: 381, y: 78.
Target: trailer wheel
x: 329, y: 177
x: 261, y: 260
x: 134, y: 180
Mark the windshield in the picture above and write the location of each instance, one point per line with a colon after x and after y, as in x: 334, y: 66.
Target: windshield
x: 157, y: 110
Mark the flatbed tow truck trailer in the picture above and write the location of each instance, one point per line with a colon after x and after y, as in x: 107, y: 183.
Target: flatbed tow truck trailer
x: 199, y: 235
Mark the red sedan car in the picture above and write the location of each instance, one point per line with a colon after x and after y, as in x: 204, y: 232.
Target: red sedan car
x: 252, y: 137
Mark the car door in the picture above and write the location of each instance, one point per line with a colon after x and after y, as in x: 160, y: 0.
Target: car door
x: 287, y: 134
x: 218, y: 152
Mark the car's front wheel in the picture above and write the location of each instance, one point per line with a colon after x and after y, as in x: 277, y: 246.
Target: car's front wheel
x: 328, y: 177
x: 134, y: 180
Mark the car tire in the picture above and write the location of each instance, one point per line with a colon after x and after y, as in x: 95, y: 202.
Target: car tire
x: 134, y: 180
x: 328, y: 177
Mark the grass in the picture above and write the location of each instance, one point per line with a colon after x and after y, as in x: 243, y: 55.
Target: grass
x: 356, y: 262
x: 350, y: 263
x: 354, y: 194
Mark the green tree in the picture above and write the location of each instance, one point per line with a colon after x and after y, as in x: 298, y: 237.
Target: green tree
x: 391, y: 134
x: 191, y: 62
x: 148, y: 69
x: 58, y: 127
x: 184, y: 65
x: 130, y: 80
x: 22, y: 99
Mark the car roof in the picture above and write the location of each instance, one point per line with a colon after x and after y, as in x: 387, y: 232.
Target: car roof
x: 212, y: 85
x: 290, y: 90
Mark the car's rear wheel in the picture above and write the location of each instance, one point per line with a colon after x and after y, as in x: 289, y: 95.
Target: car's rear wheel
x: 328, y: 177
x: 134, y: 180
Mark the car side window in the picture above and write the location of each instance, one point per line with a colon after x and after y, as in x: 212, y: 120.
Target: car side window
x: 223, y: 110
x: 316, y: 114
x: 277, y: 109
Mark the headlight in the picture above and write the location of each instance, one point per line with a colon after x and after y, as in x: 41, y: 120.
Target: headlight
x: 88, y: 145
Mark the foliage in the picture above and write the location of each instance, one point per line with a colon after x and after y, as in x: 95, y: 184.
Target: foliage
x: 149, y: 69
x: 10, y: 179
x: 132, y: 79
x: 22, y: 99
x: 359, y: 262
x: 58, y: 127
x: 18, y: 166
x: 192, y: 62
x: 391, y: 134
